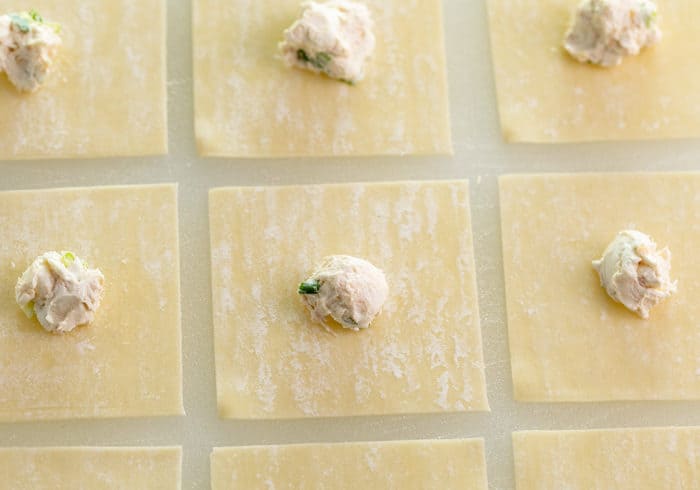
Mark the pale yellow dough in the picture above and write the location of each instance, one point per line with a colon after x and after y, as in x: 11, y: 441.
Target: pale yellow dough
x: 544, y: 95
x: 569, y: 341
x: 107, y: 93
x: 622, y: 459
x: 409, y: 465
x: 127, y: 362
x: 423, y: 352
x: 90, y: 468
x: 248, y: 104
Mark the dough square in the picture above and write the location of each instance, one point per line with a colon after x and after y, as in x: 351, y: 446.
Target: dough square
x: 423, y: 354
x: 569, y: 341
x: 127, y: 363
x: 408, y: 465
x: 620, y: 459
x: 107, y: 96
x: 248, y: 104
x: 545, y: 96
x: 93, y: 468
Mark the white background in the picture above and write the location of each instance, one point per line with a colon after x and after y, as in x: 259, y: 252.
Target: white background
x: 480, y: 155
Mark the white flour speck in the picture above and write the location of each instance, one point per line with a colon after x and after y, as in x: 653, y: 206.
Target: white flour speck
x: 83, y: 346
x: 444, y: 386
x: 371, y: 459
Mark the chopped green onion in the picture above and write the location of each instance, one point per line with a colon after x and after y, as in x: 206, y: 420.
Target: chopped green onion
x: 20, y: 22
x: 302, y: 56
x: 23, y: 21
x: 28, y: 309
x: 67, y: 259
x: 35, y: 16
x: 651, y: 17
x: 319, y: 62
x: 309, y: 287
x: 322, y: 59
x: 350, y: 321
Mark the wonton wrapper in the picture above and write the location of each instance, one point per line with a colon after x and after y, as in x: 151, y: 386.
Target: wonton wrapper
x: 569, y: 341
x: 127, y: 363
x: 91, y: 468
x: 621, y: 459
x: 107, y: 94
x: 249, y: 104
x: 421, y: 354
x: 409, y: 465
x: 546, y: 96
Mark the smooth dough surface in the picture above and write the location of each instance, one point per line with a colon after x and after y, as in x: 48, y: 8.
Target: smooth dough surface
x: 409, y: 465
x: 568, y: 340
x: 422, y: 353
x: 128, y: 361
x: 107, y: 95
x: 546, y: 96
x: 90, y: 468
x: 622, y: 459
x: 248, y: 104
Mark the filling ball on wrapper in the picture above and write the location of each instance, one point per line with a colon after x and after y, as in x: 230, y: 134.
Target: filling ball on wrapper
x: 634, y: 273
x: 61, y: 291
x: 604, y: 32
x: 29, y: 47
x: 334, y: 38
x: 349, y: 290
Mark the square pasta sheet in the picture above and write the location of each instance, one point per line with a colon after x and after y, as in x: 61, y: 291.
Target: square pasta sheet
x: 410, y: 465
x: 422, y: 354
x: 569, y: 341
x: 248, y: 104
x: 622, y: 459
x: 128, y: 361
x: 90, y: 468
x: 546, y: 96
x: 107, y: 95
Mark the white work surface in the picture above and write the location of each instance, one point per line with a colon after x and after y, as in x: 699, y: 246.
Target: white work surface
x: 480, y: 155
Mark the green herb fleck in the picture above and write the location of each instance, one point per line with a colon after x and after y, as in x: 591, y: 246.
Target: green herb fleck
x: 35, y: 16
x: 319, y: 62
x: 350, y: 321
x: 23, y: 21
x: 20, y: 22
x: 309, y: 287
x: 28, y: 309
x: 322, y: 59
x: 302, y: 56
x: 651, y: 18
x: 67, y: 259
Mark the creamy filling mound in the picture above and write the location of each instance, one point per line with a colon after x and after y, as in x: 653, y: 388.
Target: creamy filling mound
x: 333, y: 37
x: 604, y: 32
x: 634, y: 273
x: 61, y: 291
x: 28, y: 48
x: 347, y: 289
